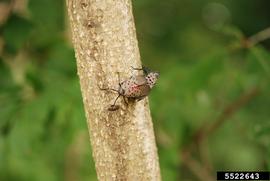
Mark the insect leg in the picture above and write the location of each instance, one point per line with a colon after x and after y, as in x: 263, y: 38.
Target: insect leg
x: 114, y: 107
x: 136, y: 68
x: 144, y: 69
x: 125, y: 101
x: 116, y: 99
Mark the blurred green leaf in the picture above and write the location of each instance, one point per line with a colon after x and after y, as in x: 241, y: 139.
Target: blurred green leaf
x: 48, y: 17
x: 15, y: 37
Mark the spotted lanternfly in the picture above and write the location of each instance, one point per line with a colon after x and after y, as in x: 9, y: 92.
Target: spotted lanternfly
x: 136, y: 87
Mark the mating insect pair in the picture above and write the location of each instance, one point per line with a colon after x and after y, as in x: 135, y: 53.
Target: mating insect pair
x: 136, y: 87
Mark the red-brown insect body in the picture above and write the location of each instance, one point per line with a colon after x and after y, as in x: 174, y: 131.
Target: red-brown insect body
x: 136, y: 87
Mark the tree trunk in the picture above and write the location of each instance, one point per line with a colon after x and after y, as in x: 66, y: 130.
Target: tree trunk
x: 104, y: 38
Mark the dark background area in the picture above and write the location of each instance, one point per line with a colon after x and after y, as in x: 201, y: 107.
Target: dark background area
x: 210, y: 107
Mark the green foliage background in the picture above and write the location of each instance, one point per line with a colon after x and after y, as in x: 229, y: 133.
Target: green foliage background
x: 199, y: 47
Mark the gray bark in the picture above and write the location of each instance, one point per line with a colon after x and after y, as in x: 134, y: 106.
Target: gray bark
x: 105, y: 43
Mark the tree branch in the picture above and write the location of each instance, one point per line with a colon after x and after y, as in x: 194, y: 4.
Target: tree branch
x: 231, y: 109
x: 105, y: 43
x: 259, y: 37
x: 202, y: 134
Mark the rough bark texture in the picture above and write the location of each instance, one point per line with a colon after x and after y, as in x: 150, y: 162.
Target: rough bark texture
x: 105, y: 44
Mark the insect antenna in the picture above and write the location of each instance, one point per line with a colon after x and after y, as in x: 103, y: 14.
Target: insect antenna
x: 108, y: 89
